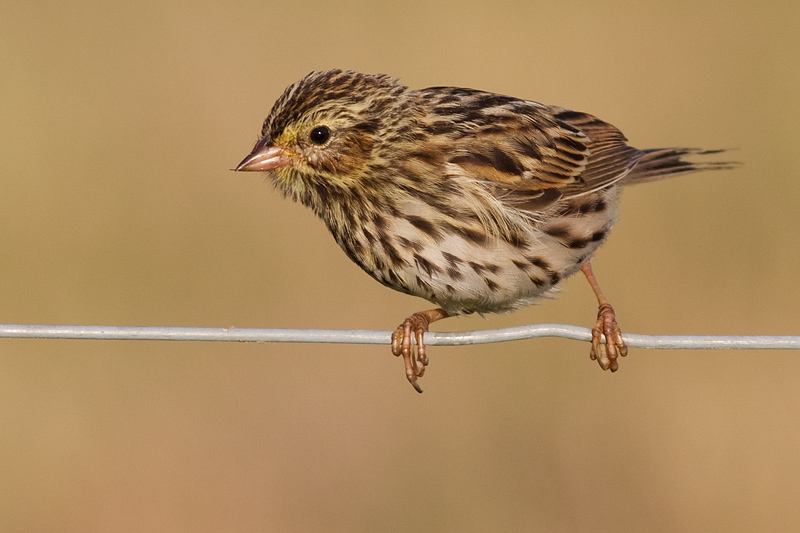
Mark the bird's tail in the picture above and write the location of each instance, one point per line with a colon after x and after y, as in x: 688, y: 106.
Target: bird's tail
x: 663, y: 163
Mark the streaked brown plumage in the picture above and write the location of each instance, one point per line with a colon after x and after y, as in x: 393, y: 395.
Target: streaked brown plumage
x: 474, y: 201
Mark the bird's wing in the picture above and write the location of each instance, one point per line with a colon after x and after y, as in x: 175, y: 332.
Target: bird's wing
x: 610, y: 159
x: 529, y: 154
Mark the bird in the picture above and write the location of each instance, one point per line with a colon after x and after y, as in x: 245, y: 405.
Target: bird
x: 475, y: 201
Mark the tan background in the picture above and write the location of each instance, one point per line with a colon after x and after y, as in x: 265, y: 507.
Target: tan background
x: 120, y: 123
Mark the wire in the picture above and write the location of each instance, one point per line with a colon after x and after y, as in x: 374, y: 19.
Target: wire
x: 664, y: 342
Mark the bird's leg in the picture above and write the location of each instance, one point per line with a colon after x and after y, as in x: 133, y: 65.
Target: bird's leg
x: 606, y: 326
x: 414, y: 327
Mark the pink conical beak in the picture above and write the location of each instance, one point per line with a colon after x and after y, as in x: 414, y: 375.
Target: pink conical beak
x: 265, y: 156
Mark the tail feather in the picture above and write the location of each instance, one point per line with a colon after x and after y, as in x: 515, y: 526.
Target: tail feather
x: 663, y: 163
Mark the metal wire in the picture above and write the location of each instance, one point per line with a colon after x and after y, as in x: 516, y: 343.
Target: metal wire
x: 663, y: 342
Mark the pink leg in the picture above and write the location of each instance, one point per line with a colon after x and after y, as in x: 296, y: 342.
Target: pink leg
x: 606, y: 326
x: 414, y: 357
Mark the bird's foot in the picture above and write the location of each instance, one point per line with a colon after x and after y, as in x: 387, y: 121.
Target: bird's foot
x: 413, y: 329
x: 606, y: 326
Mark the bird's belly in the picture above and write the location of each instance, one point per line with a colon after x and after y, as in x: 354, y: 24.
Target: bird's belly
x: 465, y: 272
x: 464, y: 277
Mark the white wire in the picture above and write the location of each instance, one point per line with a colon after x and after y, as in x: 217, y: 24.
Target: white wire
x: 673, y: 342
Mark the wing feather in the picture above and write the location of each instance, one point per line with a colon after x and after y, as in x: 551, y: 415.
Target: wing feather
x: 522, y: 148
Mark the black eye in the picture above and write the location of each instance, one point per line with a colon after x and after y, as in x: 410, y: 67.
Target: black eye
x: 320, y: 135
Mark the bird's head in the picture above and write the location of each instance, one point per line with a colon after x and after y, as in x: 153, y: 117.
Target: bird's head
x: 322, y: 132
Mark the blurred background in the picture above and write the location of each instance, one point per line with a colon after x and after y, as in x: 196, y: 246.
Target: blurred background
x: 120, y: 124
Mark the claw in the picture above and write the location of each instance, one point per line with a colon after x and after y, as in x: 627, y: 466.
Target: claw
x: 412, y: 329
x: 606, y: 354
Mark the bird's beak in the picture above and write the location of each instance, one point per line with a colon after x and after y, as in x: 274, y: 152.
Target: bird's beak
x: 265, y: 156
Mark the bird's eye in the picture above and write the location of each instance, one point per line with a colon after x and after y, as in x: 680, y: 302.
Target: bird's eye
x: 320, y: 135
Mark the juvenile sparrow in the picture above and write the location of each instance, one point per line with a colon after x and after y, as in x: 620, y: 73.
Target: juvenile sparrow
x: 475, y: 201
